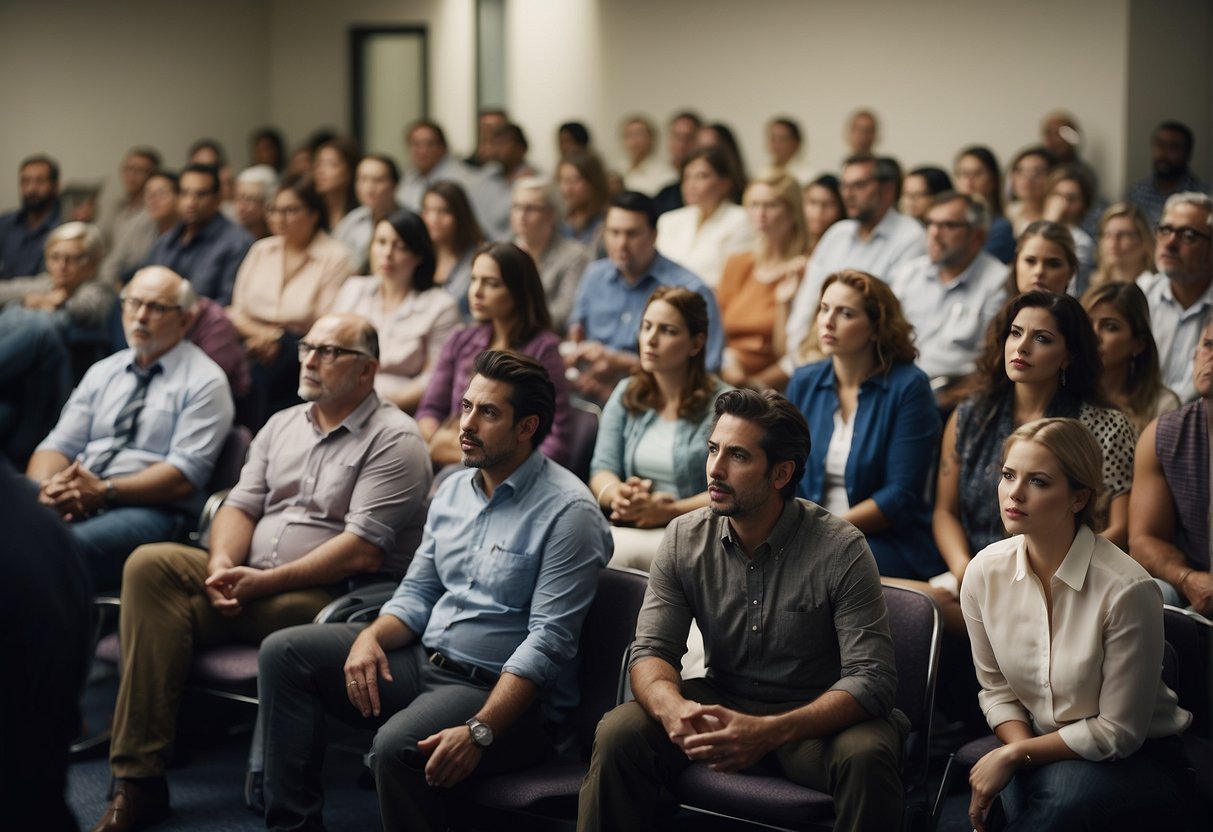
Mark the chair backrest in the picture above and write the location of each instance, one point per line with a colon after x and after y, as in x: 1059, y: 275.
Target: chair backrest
x: 609, y: 628
x: 226, y: 472
x: 917, y: 628
x: 583, y: 433
x: 1191, y: 635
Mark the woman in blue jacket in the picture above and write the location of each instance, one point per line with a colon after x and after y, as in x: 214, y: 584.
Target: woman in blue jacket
x: 874, y: 424
x: 650, y: 460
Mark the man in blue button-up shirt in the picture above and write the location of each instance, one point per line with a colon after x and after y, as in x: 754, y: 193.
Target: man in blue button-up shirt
x: 469, y: 667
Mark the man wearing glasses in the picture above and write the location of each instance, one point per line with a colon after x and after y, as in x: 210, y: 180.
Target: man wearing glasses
x: 136, y: 442
x: 1181, y: 293
x: 333, y: 487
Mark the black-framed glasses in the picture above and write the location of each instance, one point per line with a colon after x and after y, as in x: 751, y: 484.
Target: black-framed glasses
x: 947, y: 225
x: 155, y: 309
x: 327, y: 353
x: 1187, y: 235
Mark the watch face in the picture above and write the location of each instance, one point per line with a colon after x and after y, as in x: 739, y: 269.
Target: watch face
x: 481, y: 734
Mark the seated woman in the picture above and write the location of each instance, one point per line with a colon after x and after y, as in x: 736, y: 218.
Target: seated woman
x: 582, y: 180
x: 919, y: 187
x: 976, y: 173
x: 701, y: 235
x: 1068, y: 195
x: 874, y: 424
x: 822, y: 203
x: 561, y: 260
x: 1029, y: 171
x: 285, y: 283
x: 757, y: 286
x: 414, y: 318
x: 1131, y: 375
x: 1069, y: 658
x: 1041, y: 359
x: 375, y: 184
x: 650, y: 460
x: 456, y: 235
x: 333, y: 169
x: 1126, y: 245
x: 507, y: 304
x: 1045, y: 260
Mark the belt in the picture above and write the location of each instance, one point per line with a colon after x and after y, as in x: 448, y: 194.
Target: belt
x: 476, y: 674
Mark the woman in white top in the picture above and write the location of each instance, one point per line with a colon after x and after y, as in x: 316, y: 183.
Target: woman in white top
x: 1067, y: 639
x: 701, y: 235
x: 413, y: 316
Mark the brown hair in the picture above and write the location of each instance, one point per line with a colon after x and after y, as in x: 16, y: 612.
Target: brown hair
x: 894, y: 341
x: 1145, y: 376
x: 643, y: 393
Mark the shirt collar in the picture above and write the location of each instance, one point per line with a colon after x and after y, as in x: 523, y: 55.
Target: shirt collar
x: 355, y: 421
x: 787, y: 524
x: 168, y: 362
x: 1073, y: 569
x: 517, y: 483
x: 827, y: 378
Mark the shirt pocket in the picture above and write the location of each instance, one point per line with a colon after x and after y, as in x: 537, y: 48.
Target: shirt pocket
x: 332, y: 492
x: 509, y: 576
x: 155, y: 429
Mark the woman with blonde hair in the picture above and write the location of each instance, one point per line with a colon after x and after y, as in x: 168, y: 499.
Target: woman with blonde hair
x: 758, y: 285
x: 1126, y: 245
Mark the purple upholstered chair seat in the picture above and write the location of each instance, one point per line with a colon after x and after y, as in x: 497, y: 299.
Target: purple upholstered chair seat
x: 773, y: 798
x: 558, y: 780
x: 969, y: 753
x: 224, y: 664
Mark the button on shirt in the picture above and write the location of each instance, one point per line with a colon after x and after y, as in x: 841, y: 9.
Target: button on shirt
x: 368, y: 476
x: 1176, y: 331
x: 610, y: 308
x: 805, y: 615
x: 504, y: 582
x: 950, y: 319
x: 186, y: 416
x: 208, y: 261
x: 1094, y: 675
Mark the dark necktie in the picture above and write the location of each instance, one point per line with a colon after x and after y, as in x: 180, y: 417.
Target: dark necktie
x: 126, y: 424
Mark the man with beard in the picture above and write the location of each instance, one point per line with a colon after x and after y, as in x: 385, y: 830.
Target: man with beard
x: 1181, y: 294
x: 136, y: 442
x: 332, y: 488
x: 1170, y: 152
x: 23, y: 232
x: 799, y: 656
x: 469, y: 667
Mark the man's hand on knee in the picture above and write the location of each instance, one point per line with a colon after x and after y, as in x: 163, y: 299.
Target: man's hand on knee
x: 729, y: 741
x: 453, y: 756
x: 365, y: 664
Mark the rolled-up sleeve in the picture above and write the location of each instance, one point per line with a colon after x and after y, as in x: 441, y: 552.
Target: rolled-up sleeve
x: 577, y: 547
x: 414, y: 600
x: 202, y: 428
x: 868, y: 665
x: 70, y: 434
x: 391, y: 489
x: 997, y: 700
x: 665, y: 616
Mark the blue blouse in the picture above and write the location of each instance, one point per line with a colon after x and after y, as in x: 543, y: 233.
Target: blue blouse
x: 896, y: 440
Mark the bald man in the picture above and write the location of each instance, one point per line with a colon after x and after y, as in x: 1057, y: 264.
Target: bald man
x: 333, y: 487
x: 134, y: 447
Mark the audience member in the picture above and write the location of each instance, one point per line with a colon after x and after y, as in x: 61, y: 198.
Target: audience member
x: 1060, y: 135
x: 304, y: 156
x: 1029, y: 175
x: 1131, y: 378
x: 159, y: 197
x: 206, y: 152
x: 758, y: 285
x: 126, y: 216
x: 919, y: 187
x: 1181, y: 294
x: 274, y: 559
x: 561, y: 260
x: 1171, y: 147
x: 254, y: 194
x: 414, y: 317
x: 572, y: 137
x: 823, y: 207
x: 711, y: 227
x: 128, y: 460
x: 430, y: 162
x: 267, y: 147
x: 285, y: 284
x: 23, y: 232
x: 1045, y: 259
x: 333, y: 169
x: 510, y: 314
x: 648, y: 464
x: 952, y: 293
x: 456, y: 236
x: 492, y: 191
x: 487, y: 122
x: 785, y: 143
x: 1041, y: 360
x: 204, y: 247
x: 681, y: 135
x: 613, y: 293
x: 1069, y: 659
x: 862, y: 133
x: 814, y: 695
x: 644, y: 172
x: 1125, y: 246
x: 1169, y: 511
x: 720, y: 135
x: 874, y: 238
x: 456, y: 682
x: 583, y: 187
x: 1069, y: 196
x: 375, y: 184
x: 976, y: 173
x: 875, y: 423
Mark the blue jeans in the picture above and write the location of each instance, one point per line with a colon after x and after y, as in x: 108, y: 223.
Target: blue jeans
x: 1151, y: 789
x: 105, y: 540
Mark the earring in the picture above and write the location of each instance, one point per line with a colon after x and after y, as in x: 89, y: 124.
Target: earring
x: 1063, y: 376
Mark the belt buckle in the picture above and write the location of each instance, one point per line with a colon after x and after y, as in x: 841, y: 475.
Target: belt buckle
x: 437, y: 659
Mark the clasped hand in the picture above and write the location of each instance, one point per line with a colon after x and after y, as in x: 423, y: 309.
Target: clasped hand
x: 634, y: 503
x: 727, y: 740
x: 75, y: 492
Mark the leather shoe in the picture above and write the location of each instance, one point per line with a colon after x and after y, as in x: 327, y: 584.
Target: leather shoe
x: 136, y: 804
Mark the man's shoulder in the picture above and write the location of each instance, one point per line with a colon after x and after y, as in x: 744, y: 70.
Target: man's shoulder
x: 392, y: 422
x: 598, y: 270
x: 824, y: 532
x: 194, y: 367
x: 231, y: 233
x: 912, y: 270
x: 671, y: 273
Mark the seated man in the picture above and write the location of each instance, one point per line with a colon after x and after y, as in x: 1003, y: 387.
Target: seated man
x: 469, y: 667
x: 800, y: 662
x: 333, y: 487
x: 1169, y: 506
x: 139, y: 436
x: 23, y: 232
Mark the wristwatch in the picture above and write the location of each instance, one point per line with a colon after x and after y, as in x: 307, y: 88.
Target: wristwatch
x: 482, y: 734
x: 111, y: 493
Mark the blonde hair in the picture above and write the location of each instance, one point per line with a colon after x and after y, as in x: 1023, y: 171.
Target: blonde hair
x: 1081, y: 459
x: 787, y: 191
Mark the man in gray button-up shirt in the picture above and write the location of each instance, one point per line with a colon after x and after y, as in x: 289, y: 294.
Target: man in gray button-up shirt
x: 800, y: 661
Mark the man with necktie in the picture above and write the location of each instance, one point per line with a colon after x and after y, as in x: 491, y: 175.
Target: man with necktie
x: 134, y: 447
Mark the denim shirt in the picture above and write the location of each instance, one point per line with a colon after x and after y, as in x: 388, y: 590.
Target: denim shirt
x: 504, y: 582
x: 620, y: 433
x: 896, y: 438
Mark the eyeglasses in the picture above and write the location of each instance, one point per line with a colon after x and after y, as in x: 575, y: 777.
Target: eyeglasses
x: 155, y: 309
x: 286, y: 211
x: 947, y: 225
x: 856, y: 185
x: 327, y: 353
x: 1187, y: 235
x: 68, y: 259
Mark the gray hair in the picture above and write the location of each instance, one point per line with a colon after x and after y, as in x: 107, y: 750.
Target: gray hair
x: 545, y: 188
x: 85, y: 231
x: 977, y: 213
x: 1195, y: 198
x: 262, y: 175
